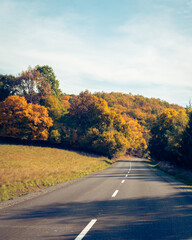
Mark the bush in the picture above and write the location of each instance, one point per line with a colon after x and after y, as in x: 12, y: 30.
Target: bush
x: 55, y: 136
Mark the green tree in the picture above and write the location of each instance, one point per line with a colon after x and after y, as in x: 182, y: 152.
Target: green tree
x: 8, y: 86
x: 49, y: 74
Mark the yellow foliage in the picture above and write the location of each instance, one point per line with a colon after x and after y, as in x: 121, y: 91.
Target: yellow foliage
x: 54, y: 106
x: 22, y: 120
x: 65, y: 101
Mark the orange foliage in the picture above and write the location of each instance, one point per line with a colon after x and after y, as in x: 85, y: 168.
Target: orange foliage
x: 22, y: 120
x: 88, y: 110
x: 144, y: 109
x: 101, y: 129
x: 65, y: 101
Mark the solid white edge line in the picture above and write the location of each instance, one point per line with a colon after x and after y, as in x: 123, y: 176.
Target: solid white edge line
x: 123, y: 181
x: 115, y: 193
x: 86, y: 229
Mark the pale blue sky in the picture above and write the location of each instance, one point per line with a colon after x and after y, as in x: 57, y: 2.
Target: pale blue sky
x: 138, y: 46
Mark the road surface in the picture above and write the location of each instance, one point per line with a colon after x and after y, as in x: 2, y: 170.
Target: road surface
x: 129, y: 200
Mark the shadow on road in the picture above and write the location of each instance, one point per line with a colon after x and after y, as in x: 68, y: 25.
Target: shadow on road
x: 155, y: 216
x: 147, y: 218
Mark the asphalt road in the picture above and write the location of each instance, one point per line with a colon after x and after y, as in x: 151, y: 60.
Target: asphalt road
x: 129, y: 200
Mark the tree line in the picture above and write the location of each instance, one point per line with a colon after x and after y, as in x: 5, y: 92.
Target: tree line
x: 33, y: 107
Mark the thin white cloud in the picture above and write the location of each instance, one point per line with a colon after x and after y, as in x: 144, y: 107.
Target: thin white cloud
x: 147, y: 52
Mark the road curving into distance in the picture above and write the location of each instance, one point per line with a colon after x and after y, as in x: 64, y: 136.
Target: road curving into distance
x: 129, y: 200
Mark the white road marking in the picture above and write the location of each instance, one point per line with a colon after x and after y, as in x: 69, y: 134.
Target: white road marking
x: 129, y: 168
x: 115, y: 193
x: 86, y: 229
x: 123, y: 181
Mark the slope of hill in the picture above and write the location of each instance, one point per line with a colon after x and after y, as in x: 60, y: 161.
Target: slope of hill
x: 24, y: 169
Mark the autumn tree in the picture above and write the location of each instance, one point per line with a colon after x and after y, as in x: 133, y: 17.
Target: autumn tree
x: 91, y: 125
x: 65, y: 101
x: 55, y: 136
x: 112, y: 143
x: 87, y: 116
x: 167, y: 134
x: 87, y: 111
x: 144, y: 110
x: 19, y: 119
x: 33, y: 86
x: 135, y: 133
x: 54, y: 106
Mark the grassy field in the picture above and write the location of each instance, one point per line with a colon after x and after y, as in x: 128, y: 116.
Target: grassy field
x: 180, y: 174
x: 24, y: 169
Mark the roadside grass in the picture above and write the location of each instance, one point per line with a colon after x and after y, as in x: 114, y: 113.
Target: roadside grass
x: 24, y: 169
x: 177, y: 173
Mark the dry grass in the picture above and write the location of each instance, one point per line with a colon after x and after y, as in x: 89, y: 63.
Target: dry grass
x: 24, y: 169
x: 180, y: 174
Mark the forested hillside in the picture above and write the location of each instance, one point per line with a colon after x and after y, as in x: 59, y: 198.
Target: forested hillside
x: 144, y: 109
x: 33, y: 107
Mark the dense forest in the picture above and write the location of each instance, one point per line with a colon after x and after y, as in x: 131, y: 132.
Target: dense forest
x: 33, y: 107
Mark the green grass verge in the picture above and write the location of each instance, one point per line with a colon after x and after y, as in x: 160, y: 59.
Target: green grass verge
x: 179, y: 174
x: 24, y: 169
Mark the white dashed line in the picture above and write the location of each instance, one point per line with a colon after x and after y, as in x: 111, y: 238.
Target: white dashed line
x: 115, y: 193
x: 86, y: 229
x: 129, y: 168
